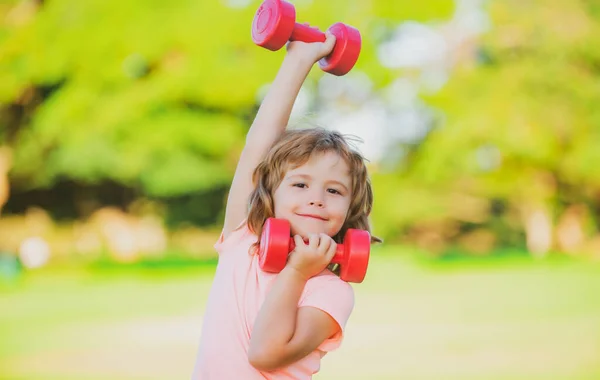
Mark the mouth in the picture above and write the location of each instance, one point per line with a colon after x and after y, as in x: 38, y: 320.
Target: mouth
x: 313, y: 216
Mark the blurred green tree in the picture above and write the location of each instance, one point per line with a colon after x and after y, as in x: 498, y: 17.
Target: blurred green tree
x: 518, y: 146
x: 152, y: 95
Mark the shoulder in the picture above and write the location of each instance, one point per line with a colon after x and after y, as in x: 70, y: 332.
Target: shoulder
x: 332, y: 295
x: 238, y: 237
x: 329, y: 291
x: 328, y: 279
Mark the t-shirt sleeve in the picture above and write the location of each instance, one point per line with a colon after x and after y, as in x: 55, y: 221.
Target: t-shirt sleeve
x: 234, y: 238
x: 335, y: 297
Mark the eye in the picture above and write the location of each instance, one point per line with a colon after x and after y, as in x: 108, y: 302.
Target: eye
x: 300, y: 185
x: 333, y: 191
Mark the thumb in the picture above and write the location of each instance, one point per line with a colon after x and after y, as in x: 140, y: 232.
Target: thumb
x: 329, y: 41
x: 298, y: 241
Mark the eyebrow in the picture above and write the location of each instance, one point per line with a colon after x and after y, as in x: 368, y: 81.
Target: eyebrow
x: 306, y: 176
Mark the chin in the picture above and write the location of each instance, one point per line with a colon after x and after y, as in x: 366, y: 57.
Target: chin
x: 304, y: 231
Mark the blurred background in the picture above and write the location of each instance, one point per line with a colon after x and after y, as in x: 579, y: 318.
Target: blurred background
x: 120, y: 127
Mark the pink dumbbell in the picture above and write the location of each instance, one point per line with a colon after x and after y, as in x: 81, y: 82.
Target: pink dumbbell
x: 275, y: 24
x: 276, y: 244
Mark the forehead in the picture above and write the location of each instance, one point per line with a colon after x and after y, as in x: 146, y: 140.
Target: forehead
x: 326, y: 165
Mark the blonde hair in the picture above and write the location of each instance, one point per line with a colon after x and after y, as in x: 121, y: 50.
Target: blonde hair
x: 294, y: 149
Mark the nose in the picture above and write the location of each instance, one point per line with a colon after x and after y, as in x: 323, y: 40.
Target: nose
x: 318, y: 204
x: 315, y: 198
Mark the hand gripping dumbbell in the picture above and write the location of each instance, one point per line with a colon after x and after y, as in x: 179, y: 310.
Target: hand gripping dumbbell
x: 276, y: 244
x: 275, y: 24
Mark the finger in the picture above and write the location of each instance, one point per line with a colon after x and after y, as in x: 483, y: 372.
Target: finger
x: 298, y: 241
x: 330, y: 38
x: 331, y: 251
x: 313, y: 241
x: 324, y: 243
x: 328, y: 45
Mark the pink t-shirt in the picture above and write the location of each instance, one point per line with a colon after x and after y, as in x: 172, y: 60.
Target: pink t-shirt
x: 238, y: 291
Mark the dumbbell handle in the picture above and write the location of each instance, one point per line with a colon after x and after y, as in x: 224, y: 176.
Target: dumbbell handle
x: 305, y: 33
x: 338, y: 257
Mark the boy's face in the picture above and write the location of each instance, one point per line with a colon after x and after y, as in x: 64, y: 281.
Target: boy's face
x: 315, y: 197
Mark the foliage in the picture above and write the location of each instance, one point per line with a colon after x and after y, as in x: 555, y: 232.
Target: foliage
x: 157, y: 96
x: 149, y: 94
x: 520, y: 128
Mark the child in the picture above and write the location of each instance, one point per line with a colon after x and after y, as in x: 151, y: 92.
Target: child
x: 262, y: 325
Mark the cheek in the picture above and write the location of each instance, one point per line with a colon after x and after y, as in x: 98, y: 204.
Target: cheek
x: 276, y: 195
x: 342, y: 208
x: 276, y: 203
x: 281, y: 201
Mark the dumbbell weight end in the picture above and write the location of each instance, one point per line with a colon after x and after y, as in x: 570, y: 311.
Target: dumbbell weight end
x: 353, y: 255
x: 275, y: 24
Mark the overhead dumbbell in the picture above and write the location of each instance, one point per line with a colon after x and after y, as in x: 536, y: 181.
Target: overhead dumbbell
x: 275, y: 24
x: 276, y: 244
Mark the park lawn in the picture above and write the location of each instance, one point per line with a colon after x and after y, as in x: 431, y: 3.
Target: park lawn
x: 496, y: 320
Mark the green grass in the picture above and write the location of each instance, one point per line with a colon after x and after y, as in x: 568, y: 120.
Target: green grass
x: 513, y: 318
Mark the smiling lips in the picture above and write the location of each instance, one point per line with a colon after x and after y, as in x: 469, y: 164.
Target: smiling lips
x: 313, y: 216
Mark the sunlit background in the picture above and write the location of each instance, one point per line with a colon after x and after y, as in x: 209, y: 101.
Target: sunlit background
x: 120, y: 127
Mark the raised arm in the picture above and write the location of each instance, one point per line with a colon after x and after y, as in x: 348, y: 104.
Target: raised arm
x: 270, y: 122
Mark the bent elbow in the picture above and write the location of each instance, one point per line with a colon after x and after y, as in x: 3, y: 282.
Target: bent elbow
x: 262, y: 360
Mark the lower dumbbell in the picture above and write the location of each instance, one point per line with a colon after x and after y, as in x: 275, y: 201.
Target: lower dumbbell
x: 275, y: 24
x: 352, y: 255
